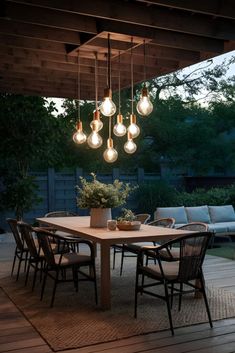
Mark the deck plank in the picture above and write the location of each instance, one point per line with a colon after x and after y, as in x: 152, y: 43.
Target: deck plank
x: 18, y: 336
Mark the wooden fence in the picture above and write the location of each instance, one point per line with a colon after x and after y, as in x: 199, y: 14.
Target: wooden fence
x: 57, y: 190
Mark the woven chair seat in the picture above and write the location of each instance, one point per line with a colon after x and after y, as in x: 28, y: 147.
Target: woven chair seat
x: 71, y: 259
x: 170, y: 269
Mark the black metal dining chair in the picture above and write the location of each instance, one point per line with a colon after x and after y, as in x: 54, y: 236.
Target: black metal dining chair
x: 118, y: 248
x: 21, y: 250
x: 130, y: 250
x: 56, y: 264
x: 183, y: 271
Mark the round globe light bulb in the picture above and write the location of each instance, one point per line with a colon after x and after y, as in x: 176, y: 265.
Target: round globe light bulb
x: 133, y: 129
x: 79, y: 137
x: 94, y: 140
x: 107, y: 107
x: 96, y: 123
x: 130, y: 146
x: 110, y: 154
x: 119, y: 129
x: 144, y: 106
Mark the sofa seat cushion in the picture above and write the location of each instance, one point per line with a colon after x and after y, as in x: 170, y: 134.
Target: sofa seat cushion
x: 178, y: 213
x: 220, y: 214
x: 231, y: 227
x: 221, y: 227
x: 198, y: 214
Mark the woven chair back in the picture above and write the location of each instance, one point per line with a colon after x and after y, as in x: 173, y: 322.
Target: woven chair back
x: 197, y: 226
x: 14, y: 228
x: 192, y: 253
x: 26, y: 234
x: 45, y: 244
x: 143, y: 217
x: 60, y: 214
x: 163, y: 222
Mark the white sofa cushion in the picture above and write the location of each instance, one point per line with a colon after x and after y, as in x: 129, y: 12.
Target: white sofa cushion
x: 178, y: 213
x: 220, y: 214
x: 198, y: 214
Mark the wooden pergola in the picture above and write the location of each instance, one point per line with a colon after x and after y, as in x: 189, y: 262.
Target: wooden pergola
x: 40, y: 39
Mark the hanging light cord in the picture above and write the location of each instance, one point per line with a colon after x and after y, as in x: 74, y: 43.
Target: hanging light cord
x: 96, y: 83
x: 132, y: 82
x: 78, y: 87
x: 109, y: 62
x: 109, y: 80
x: 144, y: 60
x: 119, y: 83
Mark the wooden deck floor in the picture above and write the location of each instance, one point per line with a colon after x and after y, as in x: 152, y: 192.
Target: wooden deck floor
x: 18, y: 336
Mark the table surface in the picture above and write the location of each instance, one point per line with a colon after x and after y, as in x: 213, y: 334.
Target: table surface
x: 80, y: 226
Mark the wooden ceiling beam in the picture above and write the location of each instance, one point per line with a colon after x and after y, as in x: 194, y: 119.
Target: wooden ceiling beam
x: 49, y: 17
x: 138, y: 14
x: 27, y: 43
x: 88, y: 76
x: 26, y: 30
x: 35, y: 58
x: 218, y: 8
x: 164, y: 37
x: 35, y: 62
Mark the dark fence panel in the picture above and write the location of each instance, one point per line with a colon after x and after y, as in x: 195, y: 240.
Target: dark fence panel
x: 207, y: 182
x: 57, y: 191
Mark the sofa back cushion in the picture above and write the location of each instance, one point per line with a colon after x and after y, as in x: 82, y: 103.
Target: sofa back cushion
x: 222, y: 213
x: 178, y: 213
x: 198, y: 214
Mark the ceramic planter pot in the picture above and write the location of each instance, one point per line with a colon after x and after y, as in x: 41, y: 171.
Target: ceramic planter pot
x: 99, y: 217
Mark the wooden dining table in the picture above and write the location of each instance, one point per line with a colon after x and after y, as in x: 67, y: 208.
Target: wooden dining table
x: 80, y: 227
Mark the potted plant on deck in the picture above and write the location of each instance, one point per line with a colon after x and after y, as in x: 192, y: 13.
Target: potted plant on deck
x: 101, y: 198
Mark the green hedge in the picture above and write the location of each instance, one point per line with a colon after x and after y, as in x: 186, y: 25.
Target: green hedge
x: 149, y: 196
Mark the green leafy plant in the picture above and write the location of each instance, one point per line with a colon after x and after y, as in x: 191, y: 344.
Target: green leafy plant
x: 95, y: 194
x: 20, y: 195
x: 126, y: 216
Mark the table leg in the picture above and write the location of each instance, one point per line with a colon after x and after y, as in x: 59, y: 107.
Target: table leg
x: 105, y: 286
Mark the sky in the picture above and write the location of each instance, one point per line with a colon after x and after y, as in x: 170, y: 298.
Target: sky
x: 216, y: 61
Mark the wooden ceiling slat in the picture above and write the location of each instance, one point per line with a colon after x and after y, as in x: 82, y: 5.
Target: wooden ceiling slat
x: 49, y: 18
x: 37, y: 44
x: 129, y: 12
x: 39, y: 32
x: 225, y: 8
x: 164, y: 37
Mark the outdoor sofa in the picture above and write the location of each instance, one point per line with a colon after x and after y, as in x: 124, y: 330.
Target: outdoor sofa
x: 220, y: 219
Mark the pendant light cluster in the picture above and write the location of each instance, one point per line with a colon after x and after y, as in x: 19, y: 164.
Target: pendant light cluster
x: 108, y: 109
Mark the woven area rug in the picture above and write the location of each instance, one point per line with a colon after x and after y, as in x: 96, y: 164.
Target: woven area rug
x: 75, y: 321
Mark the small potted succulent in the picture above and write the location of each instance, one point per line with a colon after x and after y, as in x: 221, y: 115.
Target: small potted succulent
x: 127, y: 221
x: 101, y: 198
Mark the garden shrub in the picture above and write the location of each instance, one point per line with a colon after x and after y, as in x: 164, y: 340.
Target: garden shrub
x: 151, y: 195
